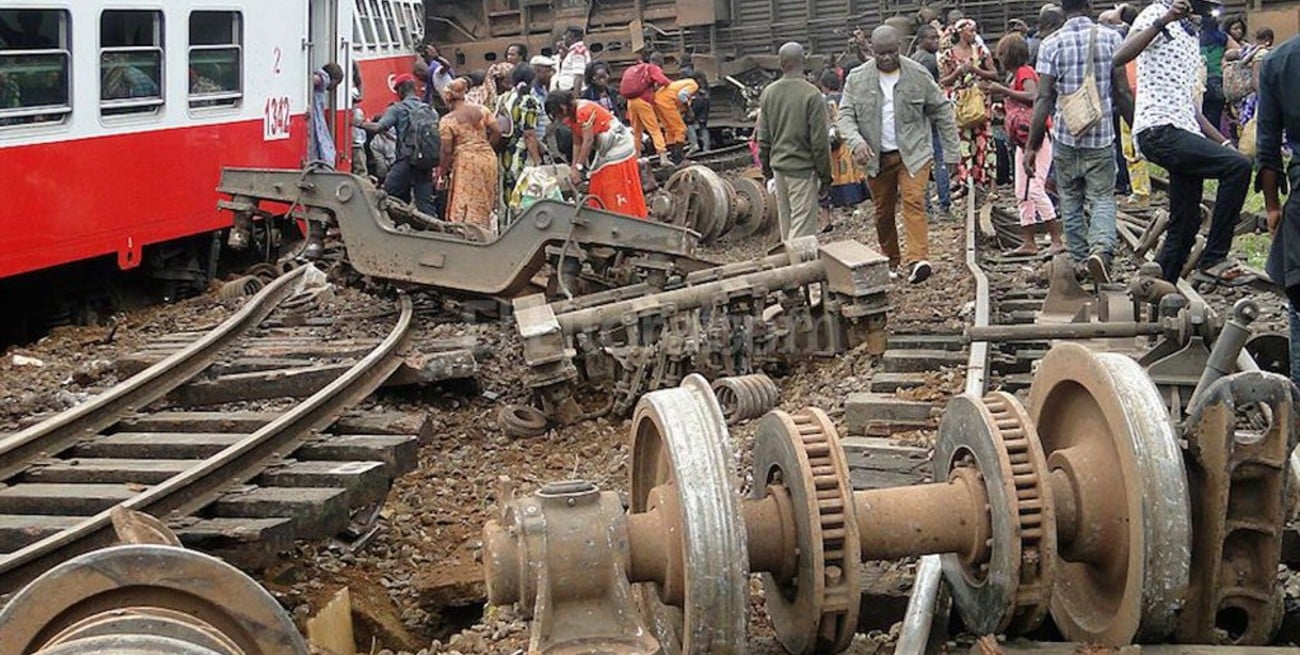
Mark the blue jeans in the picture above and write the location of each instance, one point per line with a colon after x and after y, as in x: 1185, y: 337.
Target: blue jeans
x: 1086, y: 176
x: 1295, y: 344
x: 940, y: 173
x: 698, y: 135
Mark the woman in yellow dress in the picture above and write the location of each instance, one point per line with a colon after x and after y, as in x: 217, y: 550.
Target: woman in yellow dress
x: 468, y: 165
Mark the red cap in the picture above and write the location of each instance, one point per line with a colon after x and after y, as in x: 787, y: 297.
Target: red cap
x: 404, y: 77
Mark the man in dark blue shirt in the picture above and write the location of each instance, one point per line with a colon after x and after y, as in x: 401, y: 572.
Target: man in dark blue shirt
x: 1277, y: 119
x: 404, y: 180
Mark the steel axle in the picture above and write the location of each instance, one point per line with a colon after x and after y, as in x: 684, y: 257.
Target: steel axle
x: 1080, y: 508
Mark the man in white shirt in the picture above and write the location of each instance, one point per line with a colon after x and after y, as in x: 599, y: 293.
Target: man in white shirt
x: 886, y: 113
x: 434, y: 71
x: 1171, y: 131
x: 573, y: 66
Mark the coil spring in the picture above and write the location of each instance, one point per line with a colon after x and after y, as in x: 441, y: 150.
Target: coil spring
x: 745, y: 397
x: 240, y: 287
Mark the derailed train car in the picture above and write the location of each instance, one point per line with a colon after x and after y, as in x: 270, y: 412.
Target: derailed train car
x: 732, y: 41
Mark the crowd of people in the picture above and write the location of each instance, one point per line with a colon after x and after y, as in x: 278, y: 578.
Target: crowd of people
x: 491, y: 128
x: 1065, y: 115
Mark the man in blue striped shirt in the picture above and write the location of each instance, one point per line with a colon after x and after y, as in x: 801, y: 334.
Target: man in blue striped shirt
x: 1084, y: 163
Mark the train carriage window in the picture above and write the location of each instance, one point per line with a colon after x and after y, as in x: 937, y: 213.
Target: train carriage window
x: 216, y: 42
x: 130, y: 61
x: 403, y: 26
x: 367, y: 24
x: 413, y: 31
x: 377, y: 17
x: 35, y: 56
x: 394, y: 39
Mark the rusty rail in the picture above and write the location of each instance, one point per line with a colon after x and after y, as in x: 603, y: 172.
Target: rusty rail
x: 62, y: 430
x: 234, y: 465
x: 928, y: 601
x: 929, y: 598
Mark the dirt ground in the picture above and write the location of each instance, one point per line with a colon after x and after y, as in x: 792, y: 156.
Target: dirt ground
x: 420, y: 579
x: 416, y: 587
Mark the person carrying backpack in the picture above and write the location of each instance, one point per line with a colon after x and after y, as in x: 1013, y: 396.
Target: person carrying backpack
x: 638, y: 86
x: 418, y: 146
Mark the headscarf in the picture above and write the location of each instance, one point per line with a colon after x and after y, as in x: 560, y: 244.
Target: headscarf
x: 455, y: 90
x: 499, y: 71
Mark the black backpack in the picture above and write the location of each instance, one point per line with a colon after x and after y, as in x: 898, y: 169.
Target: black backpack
x: 421, y: 141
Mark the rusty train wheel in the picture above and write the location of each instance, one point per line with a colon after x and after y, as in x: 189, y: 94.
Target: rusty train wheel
x: 1011, y: 590
x: 681, y: 453
x: 160, y: 599
x: 817, y: 610
x: 755, y: 220
x: 1109, y: 442
x: 701, y: 201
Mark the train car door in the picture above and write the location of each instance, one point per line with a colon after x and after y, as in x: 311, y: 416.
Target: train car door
x: 327, y: 22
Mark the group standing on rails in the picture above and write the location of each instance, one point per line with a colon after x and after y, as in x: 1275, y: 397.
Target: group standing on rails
x: 1068, y: 114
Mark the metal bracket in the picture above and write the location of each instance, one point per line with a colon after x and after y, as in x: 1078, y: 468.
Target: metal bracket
x: 1239, y: 485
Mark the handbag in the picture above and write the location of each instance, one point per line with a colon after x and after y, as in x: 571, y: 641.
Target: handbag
x: 972, y: 109
x: 1246, y: 142
x: 1239, y: 77
x: 1082, y: 108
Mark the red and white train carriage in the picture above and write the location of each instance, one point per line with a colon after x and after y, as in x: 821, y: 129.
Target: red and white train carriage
x: 117, y: 116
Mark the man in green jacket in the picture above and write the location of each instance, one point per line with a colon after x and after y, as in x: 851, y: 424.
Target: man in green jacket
x: 888, y: 106
x: 794, y: 145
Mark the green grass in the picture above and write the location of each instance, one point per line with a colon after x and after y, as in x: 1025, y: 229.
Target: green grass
x: 1252, y: 249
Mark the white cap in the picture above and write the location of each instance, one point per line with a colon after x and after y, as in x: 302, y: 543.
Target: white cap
x: 542, y: 60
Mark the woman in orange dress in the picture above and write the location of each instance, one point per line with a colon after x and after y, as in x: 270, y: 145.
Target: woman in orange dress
x: 599, y: 137
x: 468, y: 164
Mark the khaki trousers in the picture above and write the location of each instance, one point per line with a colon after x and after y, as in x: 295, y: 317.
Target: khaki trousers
x: 641, y: 115
x: 891, y: 182
x: 796, y: 203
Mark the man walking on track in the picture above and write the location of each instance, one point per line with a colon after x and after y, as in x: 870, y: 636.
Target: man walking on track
x: 794, y: 145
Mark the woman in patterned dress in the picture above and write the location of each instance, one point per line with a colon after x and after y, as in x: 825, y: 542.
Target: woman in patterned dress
x: 961, y: 67
x: 523, y: 146
x: 848, y: 179
x: 481, y: 90
x: 598, y: 136
x: 1242, y: 110
x: 468, y: 165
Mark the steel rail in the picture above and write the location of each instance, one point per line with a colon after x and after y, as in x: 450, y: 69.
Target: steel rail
x: 928, y: 597
x: 235, y: 465
x: 49, y: 437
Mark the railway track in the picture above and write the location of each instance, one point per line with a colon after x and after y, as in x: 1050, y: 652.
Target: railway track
x: 1108, y: 492
x: 1002, y: 299
x: 222, y: 479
